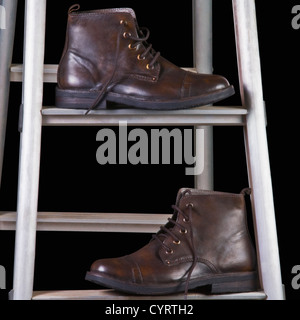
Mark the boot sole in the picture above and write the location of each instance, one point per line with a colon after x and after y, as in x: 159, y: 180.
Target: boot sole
x: 219, y: 284
x: 81, y: 99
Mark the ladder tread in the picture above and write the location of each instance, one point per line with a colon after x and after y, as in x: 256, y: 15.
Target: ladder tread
x: 114, y: 295
x: 50, y: 72
x: 211, y: 110
x: 90, y: 222
x: 207, y: 115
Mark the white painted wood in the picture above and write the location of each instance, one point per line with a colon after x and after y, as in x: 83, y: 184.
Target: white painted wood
x: 113, y: 295
x: 257, y: 147
x: 234, y: 116
x: 91, y: 222
x: 35, y: 14
x: 207, y: 110
x: 6, y: 50
x: 50, y: 73
x: 203, y: 62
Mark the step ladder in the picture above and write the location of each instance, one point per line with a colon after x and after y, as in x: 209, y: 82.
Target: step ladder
x: 251, y: 116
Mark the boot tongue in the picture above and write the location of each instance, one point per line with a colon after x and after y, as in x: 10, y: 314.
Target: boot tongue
x: 161, y: 234
x: 123, y: 10
x: 128, y: 10
x: 181, y: 193
x: 120, y: 10
x: 76, y: 7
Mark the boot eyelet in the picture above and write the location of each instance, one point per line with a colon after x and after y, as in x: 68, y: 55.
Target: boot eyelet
x: 177, y: 242
x: 126, y: 35
x: 190, y: 205
x: 186, y: 220
x: 140, y: 58
x: 124, y: 22
x: 187, y: 193
x: 170, y: 251
x: 183, y: 231
x: 130, y: 47
x: 149, y: 68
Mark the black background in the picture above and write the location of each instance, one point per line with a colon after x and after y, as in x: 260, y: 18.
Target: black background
x: 72, y: 181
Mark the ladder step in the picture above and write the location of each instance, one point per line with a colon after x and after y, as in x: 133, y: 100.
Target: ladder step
x: 208, y: 115
x: 90, y: 222
x: 50, y: 72
x: 113, y: 295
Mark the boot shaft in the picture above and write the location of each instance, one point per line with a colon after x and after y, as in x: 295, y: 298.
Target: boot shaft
x: 96, y: 32
x: 108, y: 59
x: 218, y: 225
x: 215, y: 212
x: 96, y: 41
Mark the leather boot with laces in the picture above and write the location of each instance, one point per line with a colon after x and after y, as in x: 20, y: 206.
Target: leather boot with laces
x: 205, y: 243
x: 107, y: 62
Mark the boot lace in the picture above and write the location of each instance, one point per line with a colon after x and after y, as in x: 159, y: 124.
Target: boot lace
x: 139, y: 41
x: 167, y: 230
x: 142, y: 40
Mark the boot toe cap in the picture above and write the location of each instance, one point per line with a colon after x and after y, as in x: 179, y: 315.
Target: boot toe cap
x: 120, y: 269
x: 203, y: 84
x: 110, y: 268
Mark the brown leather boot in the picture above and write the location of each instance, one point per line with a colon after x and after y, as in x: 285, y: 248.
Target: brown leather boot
x: 205, y: 243
x: 107, y: 59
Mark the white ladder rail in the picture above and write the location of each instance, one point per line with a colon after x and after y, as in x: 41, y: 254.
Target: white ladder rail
x: 257, y: 147
x: 30, y: 148
x: 203, y: 62
x: 6, y: 50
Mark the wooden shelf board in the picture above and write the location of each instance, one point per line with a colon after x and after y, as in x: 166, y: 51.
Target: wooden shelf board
x: 113, y: 295
x: 90, y: 222
x: 208, y: 115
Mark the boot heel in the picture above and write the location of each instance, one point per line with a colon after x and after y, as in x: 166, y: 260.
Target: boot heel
x: 71, y: 99
x: 236, y: 284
